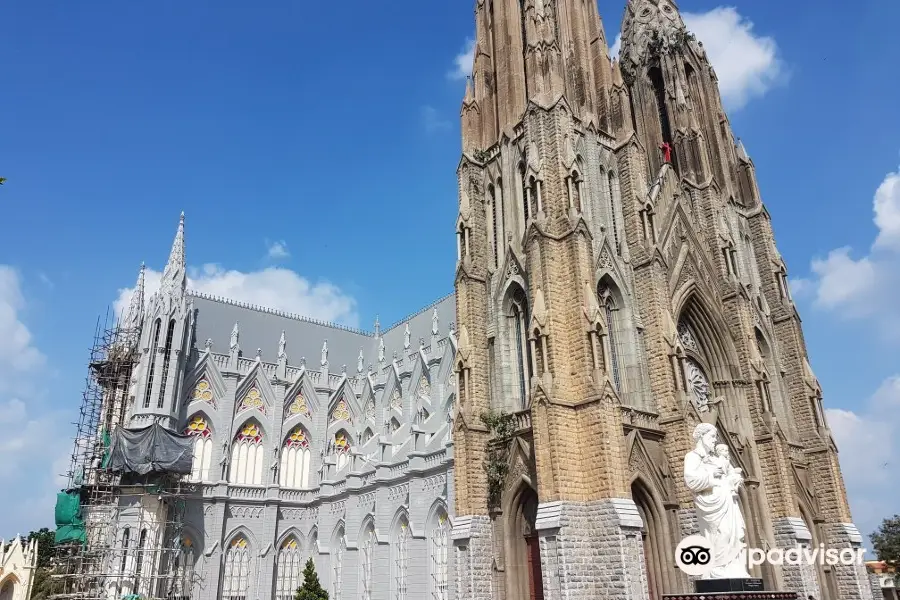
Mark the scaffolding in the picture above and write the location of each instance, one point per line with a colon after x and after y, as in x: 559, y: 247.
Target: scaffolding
x: 119, y: 536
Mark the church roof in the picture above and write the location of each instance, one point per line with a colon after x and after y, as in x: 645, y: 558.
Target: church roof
x: 261, y: 328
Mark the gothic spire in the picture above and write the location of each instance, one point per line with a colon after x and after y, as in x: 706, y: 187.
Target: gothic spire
x: 135, y: 315
x: 174, y: 278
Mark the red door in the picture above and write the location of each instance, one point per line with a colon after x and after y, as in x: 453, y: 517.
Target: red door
x: 535, y: 580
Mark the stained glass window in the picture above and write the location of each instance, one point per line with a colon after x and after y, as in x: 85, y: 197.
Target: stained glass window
x: 401, y: 561
x: 203, y: 392
x: 367, y: 550
x: 440, y: 535
x: 252, y: 400
x: 341, y: 412
x: 247, y: 456
x: 236, y: 581
x: 295, y: 460
x: 342, y: 449
x: 337, y: 564
x: 289, y: 574
x: 203, y: 446
x: 184, y: 570
x: 299, y: 406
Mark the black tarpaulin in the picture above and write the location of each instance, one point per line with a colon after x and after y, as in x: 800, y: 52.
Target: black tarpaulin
x: 152, y: 449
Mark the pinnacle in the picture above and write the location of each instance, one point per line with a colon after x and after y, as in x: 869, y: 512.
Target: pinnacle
x: 174, y: 273
x: 470, y: 93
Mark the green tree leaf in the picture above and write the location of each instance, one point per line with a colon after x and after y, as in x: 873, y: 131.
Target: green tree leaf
x: 311, y: 588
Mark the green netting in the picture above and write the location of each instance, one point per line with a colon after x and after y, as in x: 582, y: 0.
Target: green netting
x: 106, y: 443
x: 69, y: 526
x: 68, y: 508
x: 71, y: 533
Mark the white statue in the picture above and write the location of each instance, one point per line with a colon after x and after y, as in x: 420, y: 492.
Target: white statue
x: 715, y: 484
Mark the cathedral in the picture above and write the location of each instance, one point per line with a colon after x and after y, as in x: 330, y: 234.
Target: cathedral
x: 617, y: 284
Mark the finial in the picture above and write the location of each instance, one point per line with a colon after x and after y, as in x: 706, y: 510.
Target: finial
x: 381, y: 350
x: 422, y: 344
x: 324, y: 353
x: 470, y: 94
x: 434, y: 322
x: 302, y: 362
x: 235, y: 332
x: 406, y: 337
x: 258, y: 354
x: 360, y: 361
x: 394, y: 356
x: 343, y: 369
x: 208, y: 344
x: 377, y: 327
x: 452, y: 327
x: 282, y: 343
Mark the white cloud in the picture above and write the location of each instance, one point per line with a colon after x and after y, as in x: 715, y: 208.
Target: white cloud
x: 277, y: 250
x: 617, y: 45
x: 433, y: 121
x: 746, y: 64
x: 870, y: 455
x: 34, y: 439
x: 887, y: 212
x: 464, y: 61
x: 274, y: 287
x: 865, y: 287
x: 17, y: 353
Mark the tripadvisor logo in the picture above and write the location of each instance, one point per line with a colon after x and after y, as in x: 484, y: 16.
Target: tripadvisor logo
x: 694, y: 556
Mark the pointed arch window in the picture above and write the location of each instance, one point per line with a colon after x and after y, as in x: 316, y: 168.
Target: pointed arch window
x: 492, y: 222
x: 247, y: 456
x: 337, y: 565
x: 167, y: 354
x: 295, y: 460
x: 289, y: 573
x: 613, y: 213
x: 366, y: 557
x: 152, y: 360
x: 522, y: 354
x: 236, y: 580
x: 439, y: 544
x: 659, y: 94
x: 612, y: 335
x: 124, y: 545
x: 342, y: 448
x: 184, y: 570
x: 526, y: 195
x: 576, y: 189
x: 199, y: 429
x: 139, y: 560
x: 401, y: 561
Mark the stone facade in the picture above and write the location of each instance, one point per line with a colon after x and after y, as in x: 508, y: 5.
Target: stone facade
x: 618, y: 282
x: 18, y: 561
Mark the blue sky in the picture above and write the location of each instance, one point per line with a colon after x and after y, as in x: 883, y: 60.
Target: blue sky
x: 313, y: 148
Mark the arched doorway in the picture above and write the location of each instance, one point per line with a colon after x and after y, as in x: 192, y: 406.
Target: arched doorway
x: 656, y: 562
x: 523, y: 564
x: 7, y: 589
